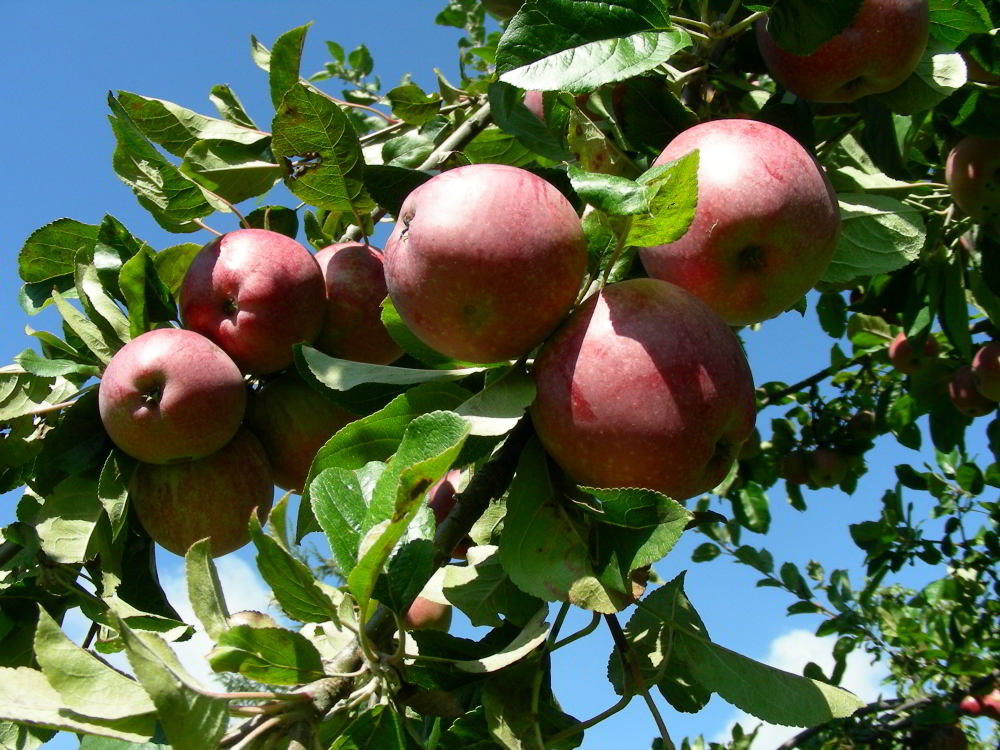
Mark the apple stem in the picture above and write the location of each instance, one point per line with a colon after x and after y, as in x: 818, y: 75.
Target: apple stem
x: 205, y: 226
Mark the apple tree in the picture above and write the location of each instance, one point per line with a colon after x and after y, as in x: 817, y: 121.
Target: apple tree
x: 524, y: 402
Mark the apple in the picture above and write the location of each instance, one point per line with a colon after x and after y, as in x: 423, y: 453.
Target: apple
x: 533, y: 101
x: 292, y: 420
x: 178, y: 504
x: 862, y: 427
x: 795, y: 467
x: 827, y: 467
x: 425, y: 614
x: 878, y: 50
x: 986, y: 368
x: 765, y: 226
x: 502, y: 9
x: 355, y: 287
x: 946, y: 738
x: 991, y: 704
x: 252, y: 618
x: 969, y: 706
x: 965, y: 395
x: 485, y: 261
x: 441, y: 499
x: 973, y: 176
x: 255, y: 293
x: 905, y: 360
x: 171, y: 395
x: 644, y: 386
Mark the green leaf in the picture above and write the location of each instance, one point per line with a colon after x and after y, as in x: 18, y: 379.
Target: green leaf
x: 172, y: 263
x: 50, y: 251
x: 430, y: 443
x: 147, y: 297
x: 273, y: 656
x: 595, y: 151
x: 284, y: 62
x: 954, y: 20
x: 651, y: 633
x: 494, y: 146
x: 295, y: 587
x: 98, y: 304
x: 751, y: 508
x: 330, y: 171
x: 519, y: 713
x: 484, y: 592
x: 512, y: 117
x: 177, y: 129
x: 634, y: 508
x: 205, y: 590
x: 36, y: 364
x: 618, y: 196
x: 794, y: 581
x: 339, y: 506
x: 173, y: 200
x: 410, y: 344
x: 89, y: 333
x: 495, y: 409
x: 379, y: 728
x: 68, y: 519
x: 532, y: 635
x: 27, y: 698
x: 389, y: 186
x: 230, y: 106
x: 191, y: 718
x: 577, y: 46
x: 541, y: 549
x: 705, y: 552
x: 878, y: 234
x: 275, y: 219
x: 374, y: 438
x: 411, y: 105
x: 832, y: 312
x: 953, y: 311
x: 801, y: 26
x: 112, y: 488
x: 231, y: 170
x: 672, y: 207
x: 939, y: 74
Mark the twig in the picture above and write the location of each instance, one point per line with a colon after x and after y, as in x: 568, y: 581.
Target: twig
x: 812, y: 380
x: 261, y: 730
x: 625, y: 653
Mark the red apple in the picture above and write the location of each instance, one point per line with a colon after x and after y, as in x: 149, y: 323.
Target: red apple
x: 425, y: 614
x: 178, y: 504
x: 795, y: 468
x: 905, y: 360
x: 533, y: 101
x: 293, y: 420
x: 965, y: 395
x: 355, y: 287
x: 171, y: 395
x: 969, y: 706
x: 255, y: 293
x: 644, y: 386
x: 991, y: 704
x: 485, y: 261
x: 765, y: 226
x: 827, y: 467
x: 876, y: 52
x: 986, y: 368
x: 973, y: 176
x: 441, y: 500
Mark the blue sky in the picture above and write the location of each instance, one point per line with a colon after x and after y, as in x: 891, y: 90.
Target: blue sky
x: 61, y: 59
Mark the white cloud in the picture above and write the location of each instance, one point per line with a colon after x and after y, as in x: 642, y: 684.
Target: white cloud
x: 791, y: 652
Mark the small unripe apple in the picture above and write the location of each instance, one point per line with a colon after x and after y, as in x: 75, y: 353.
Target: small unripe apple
x: 485, y: 261
x: 986, y: 368
x: 905, y: 359
x: 965, y: 395
x: 765, y: 225
x: 255, y: 293
x: 355, y: 287
x: 425, y: 614
x: 795, y: 467
x: 644, y: 386
x: 171, y: 395
x: 861, y: 426
x: 878, y: 50
x: 293, y: 420
x: 178, y: 504
x: 969, y: 705
x: 827, y: 467
x: 973, y: 176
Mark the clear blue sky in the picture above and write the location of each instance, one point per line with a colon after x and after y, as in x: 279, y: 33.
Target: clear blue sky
x: 60, y: 59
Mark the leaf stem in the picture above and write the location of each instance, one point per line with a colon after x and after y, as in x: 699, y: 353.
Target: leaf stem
x: 558, y: 623
x: 681, y: 20
x: 582, y: 633
x: 742, y: 25
x: 583, y: 725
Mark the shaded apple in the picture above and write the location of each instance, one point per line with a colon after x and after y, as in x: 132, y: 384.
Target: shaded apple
x: 502, y: 9
x: 878, y: 50
x: 765, y: 225
x: 965, y: 395
x: 905, y: 359
x: 485, y: 261
x: 355, y: 288
x: 171, y: 395
x: 827, y: 467
x: 986, y: 368
x: 178, y: 504
x: 425, y: 614
x: 862, y: 427
x: 795, y: 467
x: 644, y: 386
x: 293, y: 420
x: 441, y: 500
x: 255, y: 293
x: 945, y: 738
x: 973, y: 176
